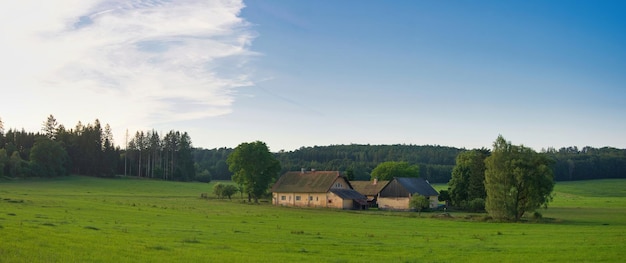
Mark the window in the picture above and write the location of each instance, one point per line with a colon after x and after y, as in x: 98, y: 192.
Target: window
x: 310, y: 198
x: 282, y: 197
x: 297, y: 198
x: 338, y: 185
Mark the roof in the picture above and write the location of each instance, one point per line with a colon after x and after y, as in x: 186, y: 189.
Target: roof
x: 368, y: 187
x: 417, y: 185
x: 347, y: 194
x: 306, y: 182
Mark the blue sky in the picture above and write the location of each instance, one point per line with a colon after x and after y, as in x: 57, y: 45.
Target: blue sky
x: 304, y: 73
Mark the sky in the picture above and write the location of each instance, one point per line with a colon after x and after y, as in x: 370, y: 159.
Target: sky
x: 313, y: 73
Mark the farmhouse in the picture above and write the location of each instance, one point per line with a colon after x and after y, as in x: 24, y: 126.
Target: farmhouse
x: 316, y: 189
x: 369, y: 189
x: 398, y: 192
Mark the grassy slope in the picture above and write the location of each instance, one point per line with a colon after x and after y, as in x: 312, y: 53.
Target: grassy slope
x: 97, y: 220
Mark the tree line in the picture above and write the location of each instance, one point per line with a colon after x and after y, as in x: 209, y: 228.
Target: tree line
x: 88, y: 149
x: 168, y: 157
x: 435, y: 163
x: 588, y: 163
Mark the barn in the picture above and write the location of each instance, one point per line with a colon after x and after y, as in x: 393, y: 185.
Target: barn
x: 398, y: 192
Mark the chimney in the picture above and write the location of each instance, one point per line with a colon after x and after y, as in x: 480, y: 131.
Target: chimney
x: 375, y: 181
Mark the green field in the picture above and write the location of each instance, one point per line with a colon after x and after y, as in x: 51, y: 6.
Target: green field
x: 83, y: 219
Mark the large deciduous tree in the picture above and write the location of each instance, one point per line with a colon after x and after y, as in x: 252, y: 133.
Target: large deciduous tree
x: 253, y: 167
x: 48, y: 158
x: 468, y: 176
x: 389, y: 170
x: 517, y: 180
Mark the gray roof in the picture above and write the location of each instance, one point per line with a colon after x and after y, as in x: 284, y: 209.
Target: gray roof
x: 306, y: 182
x: 417, y: 185
x: 368, y: 187
x: 347, y: 193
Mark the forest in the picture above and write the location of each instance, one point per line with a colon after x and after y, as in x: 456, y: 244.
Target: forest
x: 435, y: 162
x: 89, y: 149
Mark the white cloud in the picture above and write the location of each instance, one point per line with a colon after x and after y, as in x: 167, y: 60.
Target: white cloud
x: 132, y: 64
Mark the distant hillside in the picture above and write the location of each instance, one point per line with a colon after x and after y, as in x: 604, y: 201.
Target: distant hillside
x: 588, y: 163
x: 436, y: 162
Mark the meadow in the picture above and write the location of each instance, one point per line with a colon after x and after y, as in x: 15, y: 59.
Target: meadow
x: 84, y: 219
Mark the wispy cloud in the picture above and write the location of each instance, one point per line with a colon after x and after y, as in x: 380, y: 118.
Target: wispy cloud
x: 132, y: 63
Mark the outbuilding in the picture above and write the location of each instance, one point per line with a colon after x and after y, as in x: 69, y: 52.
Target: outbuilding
x: 397, y: 194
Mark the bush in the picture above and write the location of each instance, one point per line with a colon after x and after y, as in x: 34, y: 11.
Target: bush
x: 477, y: 205
x: 204, y: 176
x: 229, y: 190
x: 419, y: 202
x: 224, y: 190
x: 218, y: 189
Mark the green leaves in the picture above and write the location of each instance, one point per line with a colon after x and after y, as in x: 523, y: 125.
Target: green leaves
x: 254, y: 167
x: 468, y: 176
x: 517, y: 180
x: 389, y: 170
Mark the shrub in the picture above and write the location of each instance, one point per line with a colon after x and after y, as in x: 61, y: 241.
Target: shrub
x: 224, y: 190
x: 218, y: 189
x: 229, y: 190
x: 477, y: 205
x: 204, y: 176
x: 419, y: 202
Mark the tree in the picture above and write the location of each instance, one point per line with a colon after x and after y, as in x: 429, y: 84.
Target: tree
x: 4, y: 161
x: 48, y: 158
x: 229, y: 190
x: 389, y: 170
x: 1, y: 133
x: 419, y: 202
x: 517, y: 180
x: 444, y: 196
x: 16, y: 165
x: 203, y: 176
x: 185, y: 168
x: 50, y: 127
x: 468, y: 176
x: 224, y: 190
x: 218, y: 189
x: 253, y: 167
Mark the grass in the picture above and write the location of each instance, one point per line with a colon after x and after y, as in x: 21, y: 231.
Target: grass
x: 78, y: 219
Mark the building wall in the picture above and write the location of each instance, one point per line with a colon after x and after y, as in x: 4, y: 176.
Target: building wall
x: 335, y: 201
x: 434, y: 201
x: 394, y: 203
x: 402, y: 203
x: 315, y: 199
x: 300, y: 199
x: 340, y: 183
x: 311, y: 200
